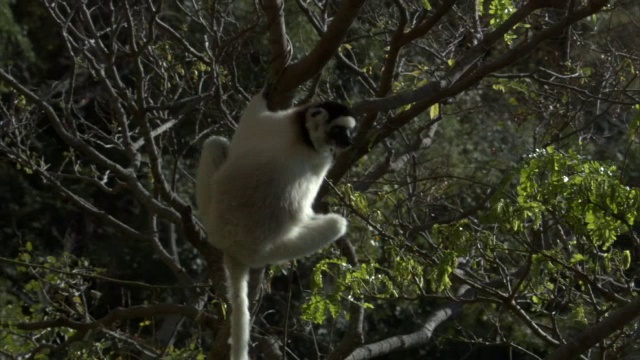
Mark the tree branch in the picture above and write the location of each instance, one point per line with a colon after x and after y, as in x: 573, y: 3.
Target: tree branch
x: 414, y: 339
x: 133, y: 312
x: 596, y: 333
x: 96, y: 157
x: 426, y: 93
x: 311, y: 64
x: 461, y: 77
x: 279, y: 44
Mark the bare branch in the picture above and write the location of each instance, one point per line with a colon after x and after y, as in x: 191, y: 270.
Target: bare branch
x: 102, y: 278
x: 414, y: 339
x: 279, y: 43
x: 133, y: 312
x: 395, y: 161
x: 129, y: 176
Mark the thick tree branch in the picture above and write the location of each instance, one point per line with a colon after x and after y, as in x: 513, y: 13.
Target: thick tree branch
x: 395, y: 45
x: 426, y: 93
x: 464, y: 74
x: 414, y: 339
x: 400, y: 39
x: 311, y: 64
x: 467, y: 290
x: 423, y: 28
x: 596, y: 333
x: 279, y: 44
x: 320, y: 30
x: 526, y: 47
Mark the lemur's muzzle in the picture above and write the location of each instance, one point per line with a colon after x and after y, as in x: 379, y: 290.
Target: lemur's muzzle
x: 341, y: 136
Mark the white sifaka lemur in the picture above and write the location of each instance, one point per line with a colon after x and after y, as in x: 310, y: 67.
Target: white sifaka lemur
x: 255, y: 194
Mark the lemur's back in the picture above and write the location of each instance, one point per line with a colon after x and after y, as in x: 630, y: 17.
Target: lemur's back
x: 265, y: 187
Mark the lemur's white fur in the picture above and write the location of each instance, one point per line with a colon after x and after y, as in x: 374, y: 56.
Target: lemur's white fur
x: 256, y: 205
x: 214, y: 152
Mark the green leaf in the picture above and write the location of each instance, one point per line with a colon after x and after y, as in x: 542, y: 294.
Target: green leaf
x: 434, y: 111
x: 439, y: 278
x: 626, y: 259
x: 577, y: 258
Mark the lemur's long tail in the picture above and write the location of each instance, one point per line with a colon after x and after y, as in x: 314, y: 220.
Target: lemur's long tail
x: 237, y: 293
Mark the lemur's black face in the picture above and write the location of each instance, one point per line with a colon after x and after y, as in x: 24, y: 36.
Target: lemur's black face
x: 341, y: 136
x: 330, y: 124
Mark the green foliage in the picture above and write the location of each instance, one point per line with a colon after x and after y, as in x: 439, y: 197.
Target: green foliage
x: 500, y: 11
x: 578, y: 190
x: 349, y: 283
x: 56, y: 287
x: 11, y: 342
x: 14, y: 45
x: 406, y: 277
x: 191, y: 351
x: 578, y: 196
x: 439, y: 276
x: 335, y: 283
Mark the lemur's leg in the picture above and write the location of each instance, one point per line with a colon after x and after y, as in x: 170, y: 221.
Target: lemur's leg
x: 306, y: 238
